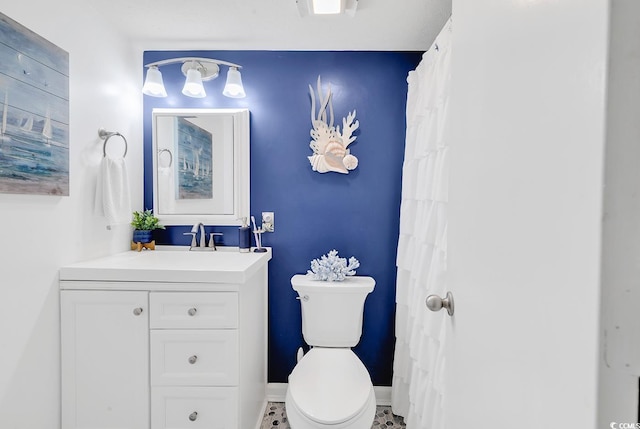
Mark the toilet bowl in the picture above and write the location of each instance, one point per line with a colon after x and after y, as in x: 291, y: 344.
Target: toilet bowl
x: 330, y: 388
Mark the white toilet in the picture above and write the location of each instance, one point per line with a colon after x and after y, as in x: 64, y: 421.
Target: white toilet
x: 330, y: 387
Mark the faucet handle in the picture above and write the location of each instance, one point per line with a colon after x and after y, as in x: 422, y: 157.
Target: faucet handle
x: 212, y: 242
x: 193, y: 238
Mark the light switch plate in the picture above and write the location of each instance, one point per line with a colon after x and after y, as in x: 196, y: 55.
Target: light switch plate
x: 268, y: 222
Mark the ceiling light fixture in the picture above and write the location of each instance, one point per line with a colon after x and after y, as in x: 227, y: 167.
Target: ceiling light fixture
x: 197, y: 70
x: 327, y: 7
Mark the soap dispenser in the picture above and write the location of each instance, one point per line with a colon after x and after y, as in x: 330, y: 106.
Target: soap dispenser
x: 244, y: 236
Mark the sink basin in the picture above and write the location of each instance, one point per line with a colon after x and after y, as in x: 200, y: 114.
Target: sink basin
x: 170, y: 264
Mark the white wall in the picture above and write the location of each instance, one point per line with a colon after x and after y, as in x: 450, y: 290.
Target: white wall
x: 38, y: 234
x: 528, y: 103
x: 620, y: 353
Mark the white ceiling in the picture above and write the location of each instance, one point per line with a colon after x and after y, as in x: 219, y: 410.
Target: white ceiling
x: 381, y: 25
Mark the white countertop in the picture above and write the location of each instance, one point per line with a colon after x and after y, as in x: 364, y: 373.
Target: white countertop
x: 170, y: 264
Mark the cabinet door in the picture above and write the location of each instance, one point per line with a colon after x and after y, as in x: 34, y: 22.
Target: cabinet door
x: 105, y: 359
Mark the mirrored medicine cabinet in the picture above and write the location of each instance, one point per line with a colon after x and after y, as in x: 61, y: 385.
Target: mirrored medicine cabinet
x: 201, y: 166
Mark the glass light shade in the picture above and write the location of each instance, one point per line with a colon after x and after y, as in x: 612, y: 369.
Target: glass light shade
x: 233, y: 88
x: 326, y: 7
x: 193, y: 85
x: 153, y: 84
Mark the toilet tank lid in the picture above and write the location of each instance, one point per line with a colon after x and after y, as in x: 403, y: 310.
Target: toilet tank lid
x: 350, y: 284
x: 330, y: 386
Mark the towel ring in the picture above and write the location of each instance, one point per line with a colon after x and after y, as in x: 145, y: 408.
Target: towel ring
x: 106, y: 135
x: 160, y: 152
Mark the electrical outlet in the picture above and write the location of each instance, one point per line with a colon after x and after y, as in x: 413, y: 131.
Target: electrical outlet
x: 268, y: 223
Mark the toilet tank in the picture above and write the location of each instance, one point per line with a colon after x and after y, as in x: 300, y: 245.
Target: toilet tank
x: 332, y: 311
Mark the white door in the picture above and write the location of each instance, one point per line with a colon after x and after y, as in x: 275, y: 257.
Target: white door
x: 105, y: 369
x: 527, y: 114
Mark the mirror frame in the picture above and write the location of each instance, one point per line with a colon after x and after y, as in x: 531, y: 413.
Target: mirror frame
x: 241, y: 171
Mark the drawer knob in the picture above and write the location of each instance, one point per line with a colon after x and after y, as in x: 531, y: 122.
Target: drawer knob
x: 192, y: 311
x: 193, y: 359
x: 193, y: 416
x: 137, y: 311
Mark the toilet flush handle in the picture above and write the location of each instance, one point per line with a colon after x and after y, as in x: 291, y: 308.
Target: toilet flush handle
x: 304, y: 298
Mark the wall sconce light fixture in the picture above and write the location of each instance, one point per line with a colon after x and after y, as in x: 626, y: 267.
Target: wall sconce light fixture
x: 196, y: 70
x: 327, y: 7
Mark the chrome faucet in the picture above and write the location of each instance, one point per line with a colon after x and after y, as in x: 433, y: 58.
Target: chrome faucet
x: 194, y: 233
x: 203, y: 239
x: 199, y: 227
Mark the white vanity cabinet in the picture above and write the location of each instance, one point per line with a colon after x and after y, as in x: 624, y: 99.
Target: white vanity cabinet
x: 139, y: 352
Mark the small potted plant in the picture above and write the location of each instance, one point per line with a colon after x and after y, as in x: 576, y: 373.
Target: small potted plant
x: 144, y: 223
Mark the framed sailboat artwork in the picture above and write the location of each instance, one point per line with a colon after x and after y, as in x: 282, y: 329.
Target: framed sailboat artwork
x: 34, y: 130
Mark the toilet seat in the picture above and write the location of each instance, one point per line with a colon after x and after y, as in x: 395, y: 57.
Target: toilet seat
x: 330, y: 386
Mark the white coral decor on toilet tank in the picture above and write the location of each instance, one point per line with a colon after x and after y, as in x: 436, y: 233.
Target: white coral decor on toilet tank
x: 329, y: 145
x: 331, y: 267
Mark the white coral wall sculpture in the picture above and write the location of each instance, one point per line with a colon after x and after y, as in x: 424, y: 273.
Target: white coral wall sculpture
x: 329, y: 145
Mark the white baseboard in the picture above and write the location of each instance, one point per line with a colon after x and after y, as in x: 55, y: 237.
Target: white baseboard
x: 276, y: 392
x: 383, y: 395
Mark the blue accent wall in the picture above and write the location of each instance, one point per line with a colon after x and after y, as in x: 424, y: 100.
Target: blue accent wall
x: 357, y: 214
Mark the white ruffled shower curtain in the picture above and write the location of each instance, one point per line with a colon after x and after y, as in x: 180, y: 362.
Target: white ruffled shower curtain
x: 417, y: 386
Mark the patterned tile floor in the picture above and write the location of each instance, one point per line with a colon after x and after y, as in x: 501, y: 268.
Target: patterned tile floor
x: 275, y: 417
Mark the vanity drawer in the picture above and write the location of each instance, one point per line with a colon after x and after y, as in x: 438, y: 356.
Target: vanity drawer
x: 194, y: 407
x: 194, y: 357
x: 193, y: 310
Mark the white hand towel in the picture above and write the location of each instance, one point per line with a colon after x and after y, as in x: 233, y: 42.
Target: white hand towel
x: 112, y: 192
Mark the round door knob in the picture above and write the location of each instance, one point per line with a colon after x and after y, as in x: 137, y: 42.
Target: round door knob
x: 192, y: 311
x: 137, y: 311
x: 435, y: 303
x: 193, y: 359
x: 193, y: 416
